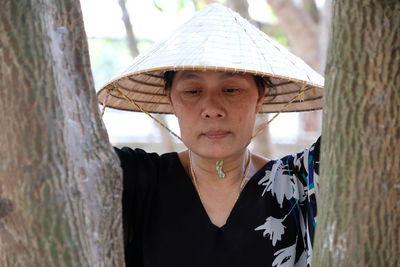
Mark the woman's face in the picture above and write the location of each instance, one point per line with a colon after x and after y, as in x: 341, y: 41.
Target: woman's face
x: 216, y: 111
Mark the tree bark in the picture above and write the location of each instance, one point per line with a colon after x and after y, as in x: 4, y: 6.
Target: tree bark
x: 60, y: 181
x: 359, y: 211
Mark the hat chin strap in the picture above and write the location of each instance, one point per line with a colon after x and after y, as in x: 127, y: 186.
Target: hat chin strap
x: 299, y: 96
x: 218, y: 166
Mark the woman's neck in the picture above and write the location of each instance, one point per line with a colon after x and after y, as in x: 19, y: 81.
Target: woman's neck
x: 233, y: 167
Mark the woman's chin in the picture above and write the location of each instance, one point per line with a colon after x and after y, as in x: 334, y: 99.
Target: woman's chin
x: 217, y: 151
x: 217, y: 146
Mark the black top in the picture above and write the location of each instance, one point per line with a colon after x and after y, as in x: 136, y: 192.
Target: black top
x: 165, y: 223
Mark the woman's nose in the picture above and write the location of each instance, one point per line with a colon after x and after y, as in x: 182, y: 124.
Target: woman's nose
x: 212, y: 108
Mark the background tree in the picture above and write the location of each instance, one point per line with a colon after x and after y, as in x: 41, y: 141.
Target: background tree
x: 166, y: 138
x: 307, y: 30
x: 59, y: 178
x: 130, y: 36
x: 359, y: 212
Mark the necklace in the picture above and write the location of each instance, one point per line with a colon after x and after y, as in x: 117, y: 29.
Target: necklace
x: 243, y: 182
x: 218, y: 166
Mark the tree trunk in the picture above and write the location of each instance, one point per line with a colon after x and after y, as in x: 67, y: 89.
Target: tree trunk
x: 300, y: 29
x: 130, y: 36
x: 359, y: 211
x: 60, y: 181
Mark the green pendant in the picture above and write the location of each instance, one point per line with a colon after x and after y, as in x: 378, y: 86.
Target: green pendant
x: 219, y: 165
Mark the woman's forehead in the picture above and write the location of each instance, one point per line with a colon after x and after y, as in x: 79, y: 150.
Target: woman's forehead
x: 203, y: 75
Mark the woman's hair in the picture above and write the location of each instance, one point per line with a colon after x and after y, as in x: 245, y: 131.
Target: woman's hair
x: 264, y: 84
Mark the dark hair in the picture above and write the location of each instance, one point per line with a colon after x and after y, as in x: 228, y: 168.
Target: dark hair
x: 168, y: 78
x: 262, y: 83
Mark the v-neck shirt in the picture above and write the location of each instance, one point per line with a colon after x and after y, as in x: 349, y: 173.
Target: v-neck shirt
x: 165, y: 223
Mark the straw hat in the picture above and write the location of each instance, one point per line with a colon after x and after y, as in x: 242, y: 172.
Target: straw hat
x: 216, y: 38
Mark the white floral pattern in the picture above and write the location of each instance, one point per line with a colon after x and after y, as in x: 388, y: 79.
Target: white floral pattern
x: 273, y: 228
x: 285, y: 257
x: 292, y: 181
x: 281, y: 185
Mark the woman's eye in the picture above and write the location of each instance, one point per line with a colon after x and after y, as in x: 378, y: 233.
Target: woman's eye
x: 231, y: 90
x: 192, y: 92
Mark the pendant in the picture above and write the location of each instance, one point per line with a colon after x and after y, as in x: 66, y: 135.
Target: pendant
x: 218, y: 166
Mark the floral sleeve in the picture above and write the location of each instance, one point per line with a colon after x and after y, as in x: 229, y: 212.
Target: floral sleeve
x: 306, y: 165
x: 291, y: 184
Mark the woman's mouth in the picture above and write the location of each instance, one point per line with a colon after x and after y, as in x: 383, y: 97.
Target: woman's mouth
x: 217, y: 134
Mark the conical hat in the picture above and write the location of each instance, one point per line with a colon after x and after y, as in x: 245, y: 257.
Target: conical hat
x: 216, y: 38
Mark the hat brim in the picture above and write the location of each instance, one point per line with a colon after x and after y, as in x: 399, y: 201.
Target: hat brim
x: 146, y: 88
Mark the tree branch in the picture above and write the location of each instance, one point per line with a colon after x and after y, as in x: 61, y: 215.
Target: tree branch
x: 132, y: 43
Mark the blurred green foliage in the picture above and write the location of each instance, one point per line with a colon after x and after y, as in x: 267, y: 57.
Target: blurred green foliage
x: 107, y: 57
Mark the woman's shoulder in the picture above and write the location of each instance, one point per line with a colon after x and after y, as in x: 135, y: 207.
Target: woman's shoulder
x: 298, y: 170
x: 302, y: 159
x: 130, y: 156
x: 142, y: 170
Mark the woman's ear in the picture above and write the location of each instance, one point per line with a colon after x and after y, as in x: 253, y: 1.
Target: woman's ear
x: 170, y: 101
x: 259, y: 103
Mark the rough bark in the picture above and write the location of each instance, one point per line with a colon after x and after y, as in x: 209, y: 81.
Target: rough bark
x: 59, y: 178
x: 359, y: 214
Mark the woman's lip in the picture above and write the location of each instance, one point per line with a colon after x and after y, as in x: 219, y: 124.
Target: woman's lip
x: 216, y: 134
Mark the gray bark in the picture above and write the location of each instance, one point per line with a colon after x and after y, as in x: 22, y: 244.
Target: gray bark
x: 60, y: 181
x: 359, y: 211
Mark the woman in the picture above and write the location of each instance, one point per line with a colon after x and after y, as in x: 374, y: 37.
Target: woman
x: 216, y: 203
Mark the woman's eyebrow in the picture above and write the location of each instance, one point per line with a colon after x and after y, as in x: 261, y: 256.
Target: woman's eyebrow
x: 227, y: 75
x: 189, y: 76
